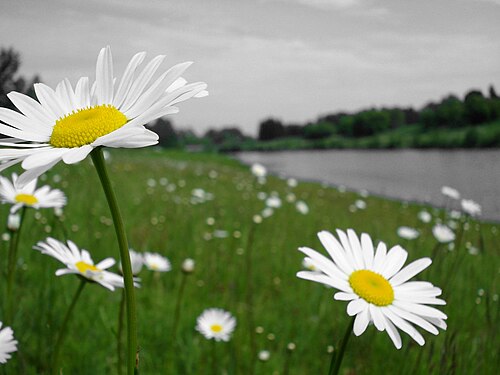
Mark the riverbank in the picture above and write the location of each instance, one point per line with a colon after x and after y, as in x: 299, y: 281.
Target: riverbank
x: 410, y: 136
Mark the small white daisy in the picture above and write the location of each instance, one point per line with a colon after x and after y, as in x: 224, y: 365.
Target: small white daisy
x: 156, y: 262
x: 258, y: 170
x: 407, y: 233
x: 28, y: 195
x: 68, y: 123
x: 424, y: 216
x: 273, y: 202
x: 377, y: 286
x: 292, y: 182
x: 360, y: 204
x: 470, y: 207
x: 80, y: 263
x: 188, y: 265
x: 216, y: 324
x: 450, y: 192
x: 136, y: 261
x: 264, y: 355
x: 7, y: 343
x: 302, y: 207
x: 442, y: 233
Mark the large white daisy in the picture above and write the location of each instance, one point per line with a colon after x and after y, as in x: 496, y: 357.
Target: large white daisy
x: 80, y: 263
x: 68, y: 123
x: 216, y: 324
x: 377, y: 286
x: 28, y: 195
x: 7, y: 343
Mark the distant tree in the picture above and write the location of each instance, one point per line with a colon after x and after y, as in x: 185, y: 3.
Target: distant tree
x: 346, y: 126
x: 493, y: 93
x: 370, y: 122
x: 476, y: 107
x: 229, y: 134
x: 271, y: 129
x: 450, y: 112
x: 294, y: 130
x: 319, y: 130
x: 396, y: 118
x: 167, y: 135
x: 10, y: 80
x: 411, y: 116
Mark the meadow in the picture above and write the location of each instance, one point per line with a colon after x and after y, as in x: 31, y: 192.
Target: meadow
x: 244, y: 265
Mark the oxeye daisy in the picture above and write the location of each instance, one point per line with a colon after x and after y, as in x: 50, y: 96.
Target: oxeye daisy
x: 69, y: 122
x: 136, y: 261
x: 7, y: 343
x: 80, y: 263
x: 156, y: 262
x: 442, y: 233
x: 28, y: 196
x: 376, y: 285
x: 408, y: 233
x: 216, y: 324
x: 470, y: 207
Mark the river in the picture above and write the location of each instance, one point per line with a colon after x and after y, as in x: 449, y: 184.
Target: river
x: 413, y: 175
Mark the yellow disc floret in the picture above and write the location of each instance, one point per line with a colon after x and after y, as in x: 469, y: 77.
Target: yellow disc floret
x: 372, y: 287
x: 216, y: 328
x: 27, y: 199
x: 84, y: 267
x: 86, y: 125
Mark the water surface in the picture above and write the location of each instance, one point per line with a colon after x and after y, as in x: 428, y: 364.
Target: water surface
x: 414, y: 175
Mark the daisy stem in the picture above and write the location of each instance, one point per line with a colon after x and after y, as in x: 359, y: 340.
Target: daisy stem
x: 338, y: 355
x: 64, y: 325
x: 11, y: 266
x: 119, y: 334
x: 178, y: 305
x: 132, y: 352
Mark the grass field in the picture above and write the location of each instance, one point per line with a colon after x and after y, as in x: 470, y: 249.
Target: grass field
x: 241, y: 266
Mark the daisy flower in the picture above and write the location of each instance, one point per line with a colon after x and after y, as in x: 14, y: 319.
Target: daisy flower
x: 376, y: 285
x: 28, y: 196
x: 156, y: 262
x: 7, y: 343
x: 80, y: 263
x: 407, y: 233
x: 216, y: 324
x: 69, y: 122
x: 258, y: 170
x: 442, y: 233
x: 424, y: 216
x: 450, y: 192
x: 136, y: 261
x: 470, y: 207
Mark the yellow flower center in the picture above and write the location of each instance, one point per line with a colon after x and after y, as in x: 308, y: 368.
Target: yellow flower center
x: 26, y: 199
x: 372, y: 287
x: 84, y: 267
x: 86, y: 125
x: 216, y: 328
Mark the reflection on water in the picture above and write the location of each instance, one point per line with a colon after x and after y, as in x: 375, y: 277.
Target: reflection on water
x: 405, y: 174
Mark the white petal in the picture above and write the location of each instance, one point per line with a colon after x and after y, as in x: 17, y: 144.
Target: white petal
x: 392, y: 332
x: 82, y: 92
x: 356, y: 248
x: 324, y: 279
x: 49, y: 100
x: 422, y: 310
x: 336, y: 251
x: 410, y: 270
x: 74, y: 155
x: 342, y: 296
x: 404, y: 326
x: 361, y: 322
x: 43, y: 158
x: 104, y: 77
x: 127, y: 79
x: 368, y: 252
x: 356, y: 306
x: 395, y: 259
x: 379, y: 259
x: 415, y: 319
x: 324, y: 264
x: 377, y: 317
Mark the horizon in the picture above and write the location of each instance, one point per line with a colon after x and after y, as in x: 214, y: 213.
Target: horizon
x: 301, y: 60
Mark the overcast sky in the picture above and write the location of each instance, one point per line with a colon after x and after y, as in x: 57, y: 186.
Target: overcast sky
x: 290, y: 59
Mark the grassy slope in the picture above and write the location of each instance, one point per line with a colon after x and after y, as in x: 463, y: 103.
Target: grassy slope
x: 286, y: 307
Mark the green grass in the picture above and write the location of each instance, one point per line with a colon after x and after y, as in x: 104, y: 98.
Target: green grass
x: 287, y: 308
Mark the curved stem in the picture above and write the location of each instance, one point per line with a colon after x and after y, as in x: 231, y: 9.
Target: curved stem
x: 119, y: 334
x: 11, y: 266
x: 62, y: 331
x: 132, y: 352
x: 338, y: 355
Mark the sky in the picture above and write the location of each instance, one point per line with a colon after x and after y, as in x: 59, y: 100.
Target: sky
x: 293, y: 60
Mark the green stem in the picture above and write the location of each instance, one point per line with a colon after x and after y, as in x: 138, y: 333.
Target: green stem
x: 178, y: 305
x: 11, y: 266
x: 132, y: 349
x: 119, y: 333
x: 62, y: 331
x: 338, y: 355
x: 249, y: 299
